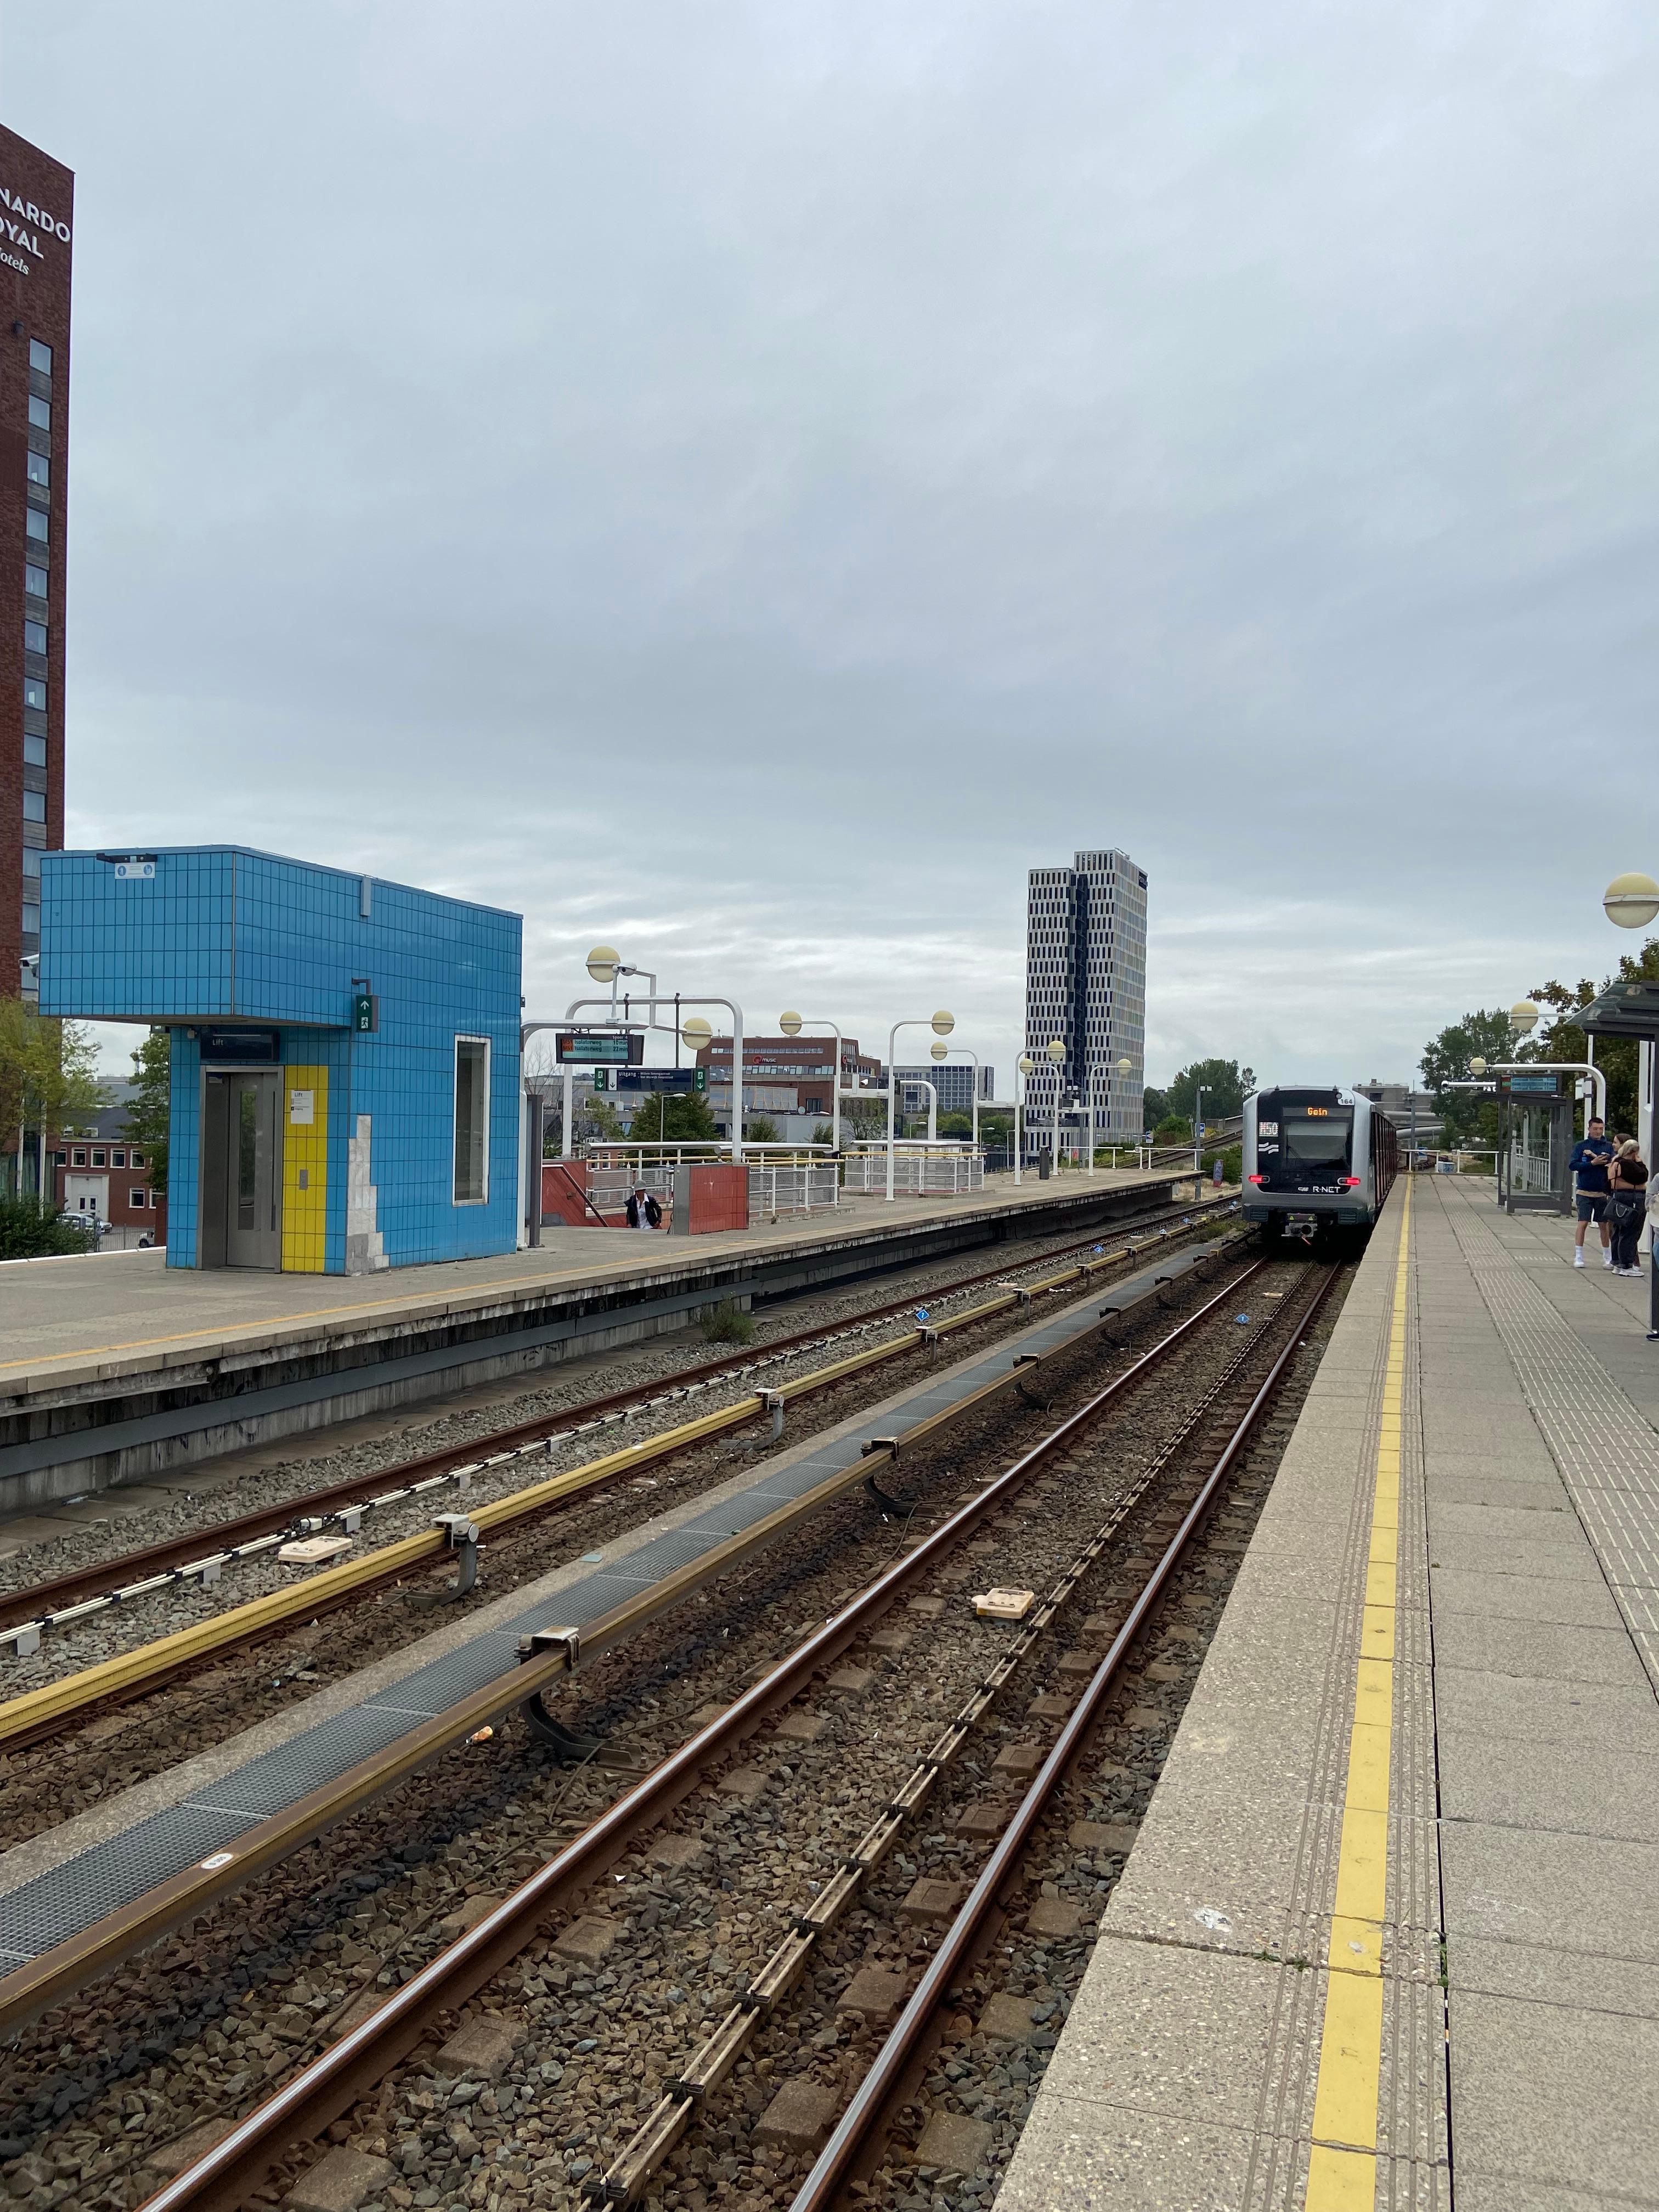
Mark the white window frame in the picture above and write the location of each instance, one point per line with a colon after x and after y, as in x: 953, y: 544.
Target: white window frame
x: 463, y: 1038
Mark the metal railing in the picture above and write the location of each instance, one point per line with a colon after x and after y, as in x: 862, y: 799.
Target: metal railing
x: 915, y: 1174
x: 806, y: 1187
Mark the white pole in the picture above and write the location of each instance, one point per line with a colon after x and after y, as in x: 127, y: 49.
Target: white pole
x: 892, y: 1088
x: 1091, y: 1120
x: 1644, y: 1120
x: 568, y: 1152
x: 737, y: 1085
x: 1018, y: 1081
x: 1054, y: 1154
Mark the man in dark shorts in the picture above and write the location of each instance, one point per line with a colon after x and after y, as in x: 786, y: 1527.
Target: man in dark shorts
x: 1589, y: 1164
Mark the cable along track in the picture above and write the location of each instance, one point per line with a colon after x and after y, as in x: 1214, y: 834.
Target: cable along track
x: 313, y: 2098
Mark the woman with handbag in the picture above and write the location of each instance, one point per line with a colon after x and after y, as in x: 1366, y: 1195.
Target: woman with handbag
x: 1627, y: 1205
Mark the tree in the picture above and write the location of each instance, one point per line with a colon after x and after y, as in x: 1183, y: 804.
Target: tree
x: 48, y: 1074
x: 599, y: 1122
x: 667, y: 1121
x: 956, y: 1125
x: 1154, y: 1107
x: 1466, y: 1116
x: 149, y: 1109
x: 761, y: 1129
x: 865, y: 1123
x: 1561, y: 1039
x: 1226, y: 1085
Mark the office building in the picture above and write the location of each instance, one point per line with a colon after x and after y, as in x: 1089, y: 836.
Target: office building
x: 783, y: 1076
x: 953, y: 1080
x: 36, y: 237
x: 1085, y: 984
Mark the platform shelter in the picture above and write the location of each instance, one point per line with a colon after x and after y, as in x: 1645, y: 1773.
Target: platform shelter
x: 344, y: 1051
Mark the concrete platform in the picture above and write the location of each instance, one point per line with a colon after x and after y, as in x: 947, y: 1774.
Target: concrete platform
x: 1391, y: 1926
x: 115, y: 1369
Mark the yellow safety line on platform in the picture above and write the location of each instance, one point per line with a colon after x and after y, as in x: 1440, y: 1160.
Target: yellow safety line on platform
x: 1342, y: 2170
x: 471, y: 1292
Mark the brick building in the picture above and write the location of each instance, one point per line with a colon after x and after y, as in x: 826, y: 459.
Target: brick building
x: 100, y: 1173
x: 784, y: 1075
x: 36, y: 216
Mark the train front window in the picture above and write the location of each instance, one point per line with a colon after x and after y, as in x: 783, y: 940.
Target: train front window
x: 1319, y: 1140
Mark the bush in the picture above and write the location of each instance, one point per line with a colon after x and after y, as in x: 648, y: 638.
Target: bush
x: 1233, y: 1164
x: 762, y: 1129
x: 31, y: 1229
x: 729, y: 1324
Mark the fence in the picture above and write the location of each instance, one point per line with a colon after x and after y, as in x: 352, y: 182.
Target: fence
x: 916, y: 1174
x: 806, y: 1187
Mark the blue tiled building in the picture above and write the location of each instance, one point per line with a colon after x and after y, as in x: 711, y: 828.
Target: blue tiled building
x: 345, y: 1051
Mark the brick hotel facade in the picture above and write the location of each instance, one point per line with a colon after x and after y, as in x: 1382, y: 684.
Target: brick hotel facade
x: 36, y: 227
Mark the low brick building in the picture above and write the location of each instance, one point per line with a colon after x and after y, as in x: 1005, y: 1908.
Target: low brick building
x: 98, y: 1173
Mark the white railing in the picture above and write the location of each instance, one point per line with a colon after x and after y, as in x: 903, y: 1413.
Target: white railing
x: 1529, y: 1172
x: 916, y: 1174
x: 808, y: 1187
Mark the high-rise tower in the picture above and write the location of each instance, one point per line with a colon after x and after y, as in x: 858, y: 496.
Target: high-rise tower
x: 1085, y: 984
x: 37, y: 202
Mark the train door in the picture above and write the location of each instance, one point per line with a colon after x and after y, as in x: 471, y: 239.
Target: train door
x: 242, y: 1170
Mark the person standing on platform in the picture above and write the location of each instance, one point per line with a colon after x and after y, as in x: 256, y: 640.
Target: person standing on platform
x: 1589, y: 1164
x: 1627, y: 1205
x: 643, y: 1211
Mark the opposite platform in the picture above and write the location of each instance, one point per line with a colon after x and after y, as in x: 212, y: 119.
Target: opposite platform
x: 1391, y: 1923
x: 114, y: 1369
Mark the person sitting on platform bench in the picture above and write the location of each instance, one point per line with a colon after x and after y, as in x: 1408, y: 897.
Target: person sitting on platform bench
x: 1589, y: 1163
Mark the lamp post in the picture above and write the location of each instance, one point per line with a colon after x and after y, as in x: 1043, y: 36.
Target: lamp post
x: 941, y: 1025
x: 1125, y: 1068
x: 1198, y: 1127
x: 696, y: 1029
x: 940, y: 1050
x: 1056, y: 1052
x: 790, y: 1025
x: 1025, y: 1065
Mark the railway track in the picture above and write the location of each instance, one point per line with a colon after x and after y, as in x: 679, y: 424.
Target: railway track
x: 1171, y: 1482
x: 45, y: 1710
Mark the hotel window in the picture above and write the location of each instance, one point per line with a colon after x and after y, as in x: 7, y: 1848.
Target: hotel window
x: 41, y: 357
x: 97, y: 1160
x: 39, y: 412
x: 34, y: 749
x: 472, y: 1121
x: 135, y: 1198
x: 138, y: 1159
x: 34, y: 692
x: 31, y: 860
x: 31, y: 911
x: 37, y: 525
x: 34, y: 580
x: 118, y: 1159
x: 34, y: 806
x: 34, y: 637
x: 81, y: 1159
x: 39, y: 469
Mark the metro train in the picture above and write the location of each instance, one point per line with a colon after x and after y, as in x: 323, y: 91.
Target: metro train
x: 1315, y: 1161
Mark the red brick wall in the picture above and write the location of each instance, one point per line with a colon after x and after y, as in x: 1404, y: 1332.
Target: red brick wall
x: 35, y: 295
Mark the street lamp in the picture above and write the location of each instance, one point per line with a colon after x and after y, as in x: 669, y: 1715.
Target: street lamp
x: 1630, y: 901
x: 1026, y: 1064
x: 790, y: 1025
x: 1056, y: 1050
x: 1198, y: 1128
x: 1524, y: 1016
x: 941, y: 1025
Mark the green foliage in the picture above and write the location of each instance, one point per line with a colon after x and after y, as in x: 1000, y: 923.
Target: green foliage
x: 48, y: 1071
x: 956, y: 1125
x: 1561, y: 1038
x: 729, y: 1324
x: 673, y: 1120
x: 1226, y: 1086
x: 761, y: 1129
x: 1171, y: 1130
x: 863, y: 1122
x: 30, y: 1230
x: 1232, y: 1163
x: 151, y: 1107
x: 599, y: 1122
x: 1466, y: 1117
x: 1154, y: 1107
x: 823, y: 1134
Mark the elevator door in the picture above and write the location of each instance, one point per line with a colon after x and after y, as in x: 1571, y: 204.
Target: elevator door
x: 254, y: 1222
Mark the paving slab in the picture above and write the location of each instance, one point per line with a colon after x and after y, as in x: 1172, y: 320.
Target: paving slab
x: 1516, y: 2053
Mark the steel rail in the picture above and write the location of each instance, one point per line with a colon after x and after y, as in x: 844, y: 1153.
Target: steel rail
x: 64, y: 1591
x: 36, y: 1713
x: 862, y: 2131
x: 222, y: 2177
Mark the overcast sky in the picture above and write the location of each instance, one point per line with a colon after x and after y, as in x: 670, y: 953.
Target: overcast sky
x: 747, y: 482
